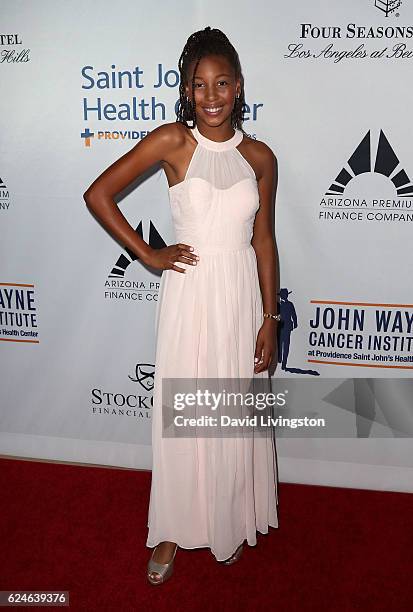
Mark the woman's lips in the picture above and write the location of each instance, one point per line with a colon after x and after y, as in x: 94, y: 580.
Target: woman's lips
x: 212, y: 110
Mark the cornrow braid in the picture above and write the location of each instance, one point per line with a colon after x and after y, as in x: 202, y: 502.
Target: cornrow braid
x: 209, y: 41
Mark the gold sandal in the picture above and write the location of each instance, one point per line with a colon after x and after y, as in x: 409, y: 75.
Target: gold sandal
x: 164, y: 570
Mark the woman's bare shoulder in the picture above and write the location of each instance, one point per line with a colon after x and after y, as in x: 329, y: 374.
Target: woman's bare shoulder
x: 259, y: 149
x: 261, y: 156
x: 172, y: 135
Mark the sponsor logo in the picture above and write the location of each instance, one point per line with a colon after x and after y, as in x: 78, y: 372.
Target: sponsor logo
x: 11, y: 50
x: 4, y: 196
x: 362, y: 334
x: 385, y: 41
x: 119, y: 287
x: 134, y: 95
x: 388, y: 7
x: 144, y: 375
x: 18, y: 313
x: 350, y: 195
x: 137, y: 404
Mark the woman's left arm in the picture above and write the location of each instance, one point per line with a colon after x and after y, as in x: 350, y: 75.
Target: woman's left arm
x: 263, y: 242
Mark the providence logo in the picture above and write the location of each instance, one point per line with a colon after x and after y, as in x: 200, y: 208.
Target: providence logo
x: 87, y: 135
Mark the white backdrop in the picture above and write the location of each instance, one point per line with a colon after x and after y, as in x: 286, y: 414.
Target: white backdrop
x: 77, y: 315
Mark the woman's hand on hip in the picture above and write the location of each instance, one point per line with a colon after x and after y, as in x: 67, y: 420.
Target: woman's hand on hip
x: 167, y: 257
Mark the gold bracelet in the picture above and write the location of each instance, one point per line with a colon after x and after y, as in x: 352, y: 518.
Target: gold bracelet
x: 270, y: 315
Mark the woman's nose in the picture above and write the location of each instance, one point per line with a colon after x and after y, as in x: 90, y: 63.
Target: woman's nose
x: 210, y: 93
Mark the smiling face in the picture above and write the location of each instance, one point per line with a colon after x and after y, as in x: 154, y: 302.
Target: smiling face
x: 215, y: 88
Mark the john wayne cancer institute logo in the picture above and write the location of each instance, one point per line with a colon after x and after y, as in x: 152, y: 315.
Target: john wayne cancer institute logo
x: 394, y: 203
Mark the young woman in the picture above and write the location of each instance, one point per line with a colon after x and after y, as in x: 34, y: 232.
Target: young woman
x: 216, y: 313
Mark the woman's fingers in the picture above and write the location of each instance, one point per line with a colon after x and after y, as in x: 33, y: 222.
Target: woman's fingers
x: 184, y: 255
x: 185, y: 250
x: 264, y: 360
x: 174, y: 267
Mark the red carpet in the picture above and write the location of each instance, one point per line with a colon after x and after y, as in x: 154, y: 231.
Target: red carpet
x: 83, y: 529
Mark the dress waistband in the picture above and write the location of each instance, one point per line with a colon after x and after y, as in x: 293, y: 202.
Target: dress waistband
x: 217, y: 248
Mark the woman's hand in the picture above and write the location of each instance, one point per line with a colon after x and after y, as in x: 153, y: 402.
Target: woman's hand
x: 266, y: 345
x: 165, y: 258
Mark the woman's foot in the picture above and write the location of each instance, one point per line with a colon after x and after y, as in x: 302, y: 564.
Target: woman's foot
x: 160, y: 565
x: 235, y: 556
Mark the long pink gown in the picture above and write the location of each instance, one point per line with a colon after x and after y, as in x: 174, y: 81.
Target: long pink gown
x: 211, y: 492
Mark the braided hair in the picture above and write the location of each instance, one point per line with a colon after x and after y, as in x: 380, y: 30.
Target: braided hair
x: 200, y: 44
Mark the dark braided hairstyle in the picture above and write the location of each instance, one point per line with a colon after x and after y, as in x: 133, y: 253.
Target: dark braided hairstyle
x: 200, y: 44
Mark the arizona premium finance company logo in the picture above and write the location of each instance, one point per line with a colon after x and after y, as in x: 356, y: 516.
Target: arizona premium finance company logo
x: 119, y: 287
x: 358, y: 193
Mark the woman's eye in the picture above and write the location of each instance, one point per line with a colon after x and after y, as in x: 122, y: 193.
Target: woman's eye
x: 197, y: 85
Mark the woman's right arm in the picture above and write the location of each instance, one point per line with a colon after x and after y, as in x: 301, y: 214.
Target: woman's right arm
x: 160, y: 144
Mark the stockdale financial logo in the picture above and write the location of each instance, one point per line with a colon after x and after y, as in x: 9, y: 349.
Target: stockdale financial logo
x: 349, y: 197
x: 144, y: 375
x: 388, y: 7
x: 127, y: 404
x: 117, y: 287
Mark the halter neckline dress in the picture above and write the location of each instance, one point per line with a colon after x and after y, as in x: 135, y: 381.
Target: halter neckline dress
x: 211, y: 492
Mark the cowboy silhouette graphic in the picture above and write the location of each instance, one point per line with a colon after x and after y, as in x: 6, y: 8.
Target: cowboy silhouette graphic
x: 287, y: 324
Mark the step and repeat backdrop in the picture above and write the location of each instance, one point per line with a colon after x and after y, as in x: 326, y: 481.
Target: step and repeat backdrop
x: 328, y: 88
